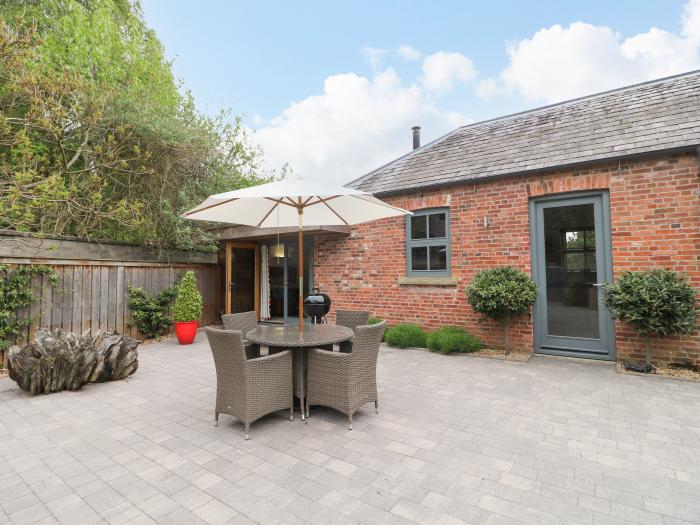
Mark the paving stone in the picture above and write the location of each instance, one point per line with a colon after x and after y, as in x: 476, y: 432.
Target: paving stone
x: 215, y: 512
x: 457, y: 441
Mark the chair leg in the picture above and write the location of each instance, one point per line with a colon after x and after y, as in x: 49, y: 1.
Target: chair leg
x: 376, y: 406
x: 350, y: 422
x: 216, y: 418
x: 247, y: 431
x: 307, y: 408
x: 291, y: 413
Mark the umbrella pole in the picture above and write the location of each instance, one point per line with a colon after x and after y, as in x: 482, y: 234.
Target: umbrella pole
x: 300, y: 209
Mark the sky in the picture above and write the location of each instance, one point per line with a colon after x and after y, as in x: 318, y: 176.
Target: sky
x: 332, y: 89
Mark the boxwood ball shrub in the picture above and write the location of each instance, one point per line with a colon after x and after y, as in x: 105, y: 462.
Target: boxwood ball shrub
x: 405, y: 335
x: 501, y: 294
x: 452, y: 339
x: 656, y: 303
x: 188, y: 303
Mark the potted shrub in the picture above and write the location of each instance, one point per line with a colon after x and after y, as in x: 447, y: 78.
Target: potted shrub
x: 501, y: 294
x: 187, y: 309
x: 656, y: 303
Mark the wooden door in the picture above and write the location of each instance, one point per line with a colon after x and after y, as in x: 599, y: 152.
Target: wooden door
x: 242, y: 277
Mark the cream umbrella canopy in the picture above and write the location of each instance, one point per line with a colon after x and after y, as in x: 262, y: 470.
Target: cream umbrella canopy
x: 294, y: 202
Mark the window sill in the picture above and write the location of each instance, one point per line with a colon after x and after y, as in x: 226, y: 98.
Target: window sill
x: 428, y: 281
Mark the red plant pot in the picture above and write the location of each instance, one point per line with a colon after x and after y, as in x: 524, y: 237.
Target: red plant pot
x: 186, y: 331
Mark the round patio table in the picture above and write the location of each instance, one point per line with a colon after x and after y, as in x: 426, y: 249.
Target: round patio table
x: 289, y: 337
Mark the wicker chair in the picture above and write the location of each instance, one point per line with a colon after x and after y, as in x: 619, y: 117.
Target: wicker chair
x: 248, y: 388
x: 244, y: 322
x: 346, y: 381
x: 351, y: 319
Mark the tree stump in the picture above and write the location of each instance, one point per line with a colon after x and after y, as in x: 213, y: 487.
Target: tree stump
x: 58, y: 360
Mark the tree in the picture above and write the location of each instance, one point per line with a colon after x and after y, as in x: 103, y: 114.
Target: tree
x: 657, y: 303
x: 97, y: 139
x: 501, y: 294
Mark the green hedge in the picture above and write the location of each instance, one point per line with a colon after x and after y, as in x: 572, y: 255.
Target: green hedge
x: 405, y: 335
x: 452, y: 339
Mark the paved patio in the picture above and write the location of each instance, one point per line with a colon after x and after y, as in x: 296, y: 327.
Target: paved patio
x: 458, y: 439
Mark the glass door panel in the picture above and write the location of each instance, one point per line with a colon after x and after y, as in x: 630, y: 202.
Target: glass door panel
x: 284, y: 280
x: 292, y: 280
x: 242, y: 283
x: 277, y: 286
x: 571, y: 273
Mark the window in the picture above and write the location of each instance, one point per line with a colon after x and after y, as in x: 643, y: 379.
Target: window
x: 579, y: 250
x: 428, y: 243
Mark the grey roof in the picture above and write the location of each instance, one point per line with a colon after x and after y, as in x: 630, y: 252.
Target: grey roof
x: 659, y: 115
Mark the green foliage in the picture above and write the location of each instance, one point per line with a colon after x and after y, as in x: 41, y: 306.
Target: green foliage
x: 405, y: 335
x: 150, y: 313
x: 96, y: 137
x: 15, y: 294
x: 188, y: 303
x: 657, y: 303
x: 452, y: 339
x: 501, y: 293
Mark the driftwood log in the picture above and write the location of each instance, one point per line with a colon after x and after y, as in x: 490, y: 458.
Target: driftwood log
x: 58, y: 360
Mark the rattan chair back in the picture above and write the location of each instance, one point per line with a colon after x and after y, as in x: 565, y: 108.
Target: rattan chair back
x: 351, y: 318
x: 244, y: 322
x: 365, y: 349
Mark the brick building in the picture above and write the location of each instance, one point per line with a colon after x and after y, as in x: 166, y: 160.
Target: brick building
x: 572, y: 193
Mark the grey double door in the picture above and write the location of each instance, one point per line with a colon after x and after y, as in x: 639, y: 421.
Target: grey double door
x: 571, y: 260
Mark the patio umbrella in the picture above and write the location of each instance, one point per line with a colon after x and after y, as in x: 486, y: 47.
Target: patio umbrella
x: 294, y: 202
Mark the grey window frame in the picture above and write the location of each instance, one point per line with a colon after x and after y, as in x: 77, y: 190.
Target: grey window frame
x: 427, y: 242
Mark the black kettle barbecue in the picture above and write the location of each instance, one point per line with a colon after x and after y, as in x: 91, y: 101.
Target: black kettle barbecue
x: 316, y: 306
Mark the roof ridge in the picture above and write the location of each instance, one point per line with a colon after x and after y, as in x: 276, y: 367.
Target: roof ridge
x: 581, y: 98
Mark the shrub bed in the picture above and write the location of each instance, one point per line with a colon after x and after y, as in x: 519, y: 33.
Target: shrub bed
x: 405, y: 335
x: 452, y: 339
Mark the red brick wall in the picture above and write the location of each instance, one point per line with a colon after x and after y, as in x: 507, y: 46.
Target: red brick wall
x: 655, y: 215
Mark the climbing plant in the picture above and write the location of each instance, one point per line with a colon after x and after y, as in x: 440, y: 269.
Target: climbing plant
x: 15, y: 294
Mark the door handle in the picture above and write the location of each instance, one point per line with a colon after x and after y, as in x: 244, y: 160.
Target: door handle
x: 598, y: 285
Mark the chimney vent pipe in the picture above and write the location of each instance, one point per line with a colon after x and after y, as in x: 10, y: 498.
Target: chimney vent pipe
x: 416, y: 137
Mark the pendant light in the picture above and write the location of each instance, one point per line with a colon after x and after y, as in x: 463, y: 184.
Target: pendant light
x: 277, y: 250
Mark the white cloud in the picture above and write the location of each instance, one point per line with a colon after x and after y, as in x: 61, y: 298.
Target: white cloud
x: 374, y: 56
x: 356, y: 124
x: 442, y: 69
x: 408, y: 53
x: 559, y: 63
x: 486, y: 88
x: 691, y: 22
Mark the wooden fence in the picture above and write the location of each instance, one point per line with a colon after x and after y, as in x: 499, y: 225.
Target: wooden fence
x: 92, y: 279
